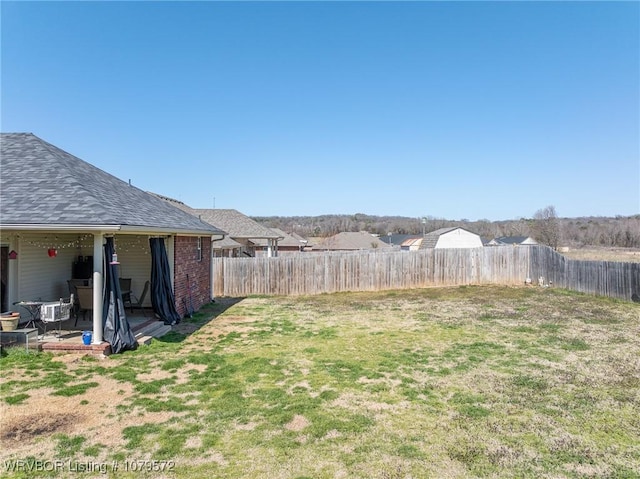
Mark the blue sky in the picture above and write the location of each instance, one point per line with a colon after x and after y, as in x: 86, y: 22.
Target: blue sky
x: 447, y: 109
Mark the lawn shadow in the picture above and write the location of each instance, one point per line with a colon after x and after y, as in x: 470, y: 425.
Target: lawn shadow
x: 189, y: 325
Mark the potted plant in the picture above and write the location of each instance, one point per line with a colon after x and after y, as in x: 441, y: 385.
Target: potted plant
x: 9, y: 320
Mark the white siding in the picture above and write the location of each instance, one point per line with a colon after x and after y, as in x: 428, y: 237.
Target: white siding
x: 134, y: 257
x: 42, y: 277
x: 459, y: 238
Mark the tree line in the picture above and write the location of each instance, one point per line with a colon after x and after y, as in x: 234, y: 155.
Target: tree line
x: 545, y: 227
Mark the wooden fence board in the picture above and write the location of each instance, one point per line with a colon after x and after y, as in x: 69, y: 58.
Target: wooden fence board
x: 317, y: 273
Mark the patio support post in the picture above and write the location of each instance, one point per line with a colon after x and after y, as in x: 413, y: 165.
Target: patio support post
x: 269, y: 248
x: 98, y: 240
x: 212, y: 280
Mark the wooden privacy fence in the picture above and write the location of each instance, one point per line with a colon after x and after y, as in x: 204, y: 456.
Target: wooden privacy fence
x: 602, y: 278
x: 316, y: 273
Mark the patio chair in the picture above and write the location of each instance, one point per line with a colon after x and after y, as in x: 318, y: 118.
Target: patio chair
x: 139, y: 301
x: 73, y: 284
x: 85, y: 300
x: 125, y: 289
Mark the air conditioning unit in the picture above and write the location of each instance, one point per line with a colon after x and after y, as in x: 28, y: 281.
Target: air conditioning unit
x: 55, y: 311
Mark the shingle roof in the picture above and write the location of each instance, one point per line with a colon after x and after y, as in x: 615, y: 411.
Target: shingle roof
x: 225, y: 243
x: 398, y: 239
x: 301, y: 239
x: 515, y: 240
x: 351, y: 241
x: 42, y: 185
x: 235, y: 223
x: 286, y: 240
x: 413, y: 241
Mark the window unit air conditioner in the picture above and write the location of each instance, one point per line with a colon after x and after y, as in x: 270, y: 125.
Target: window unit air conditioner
x: 55, y: 311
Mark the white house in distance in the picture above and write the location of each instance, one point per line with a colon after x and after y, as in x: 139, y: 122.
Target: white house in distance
x: 512, y: 240
x: 455, y: 237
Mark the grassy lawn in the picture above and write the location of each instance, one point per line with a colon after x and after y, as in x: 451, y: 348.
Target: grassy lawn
x: 447, y: 382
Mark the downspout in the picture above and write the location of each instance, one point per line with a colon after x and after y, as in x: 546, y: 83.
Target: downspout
x: 211, y: 266
x: 212, y: 282
x: 98, y: 240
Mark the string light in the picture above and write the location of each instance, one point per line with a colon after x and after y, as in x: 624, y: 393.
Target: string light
x: 126, y: 243
x: 54, y: 242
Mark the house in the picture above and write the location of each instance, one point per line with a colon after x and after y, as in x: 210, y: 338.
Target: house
x: 406, y: 242
x: 245, y: 237
x: 56, y: 212
x: 307, y: 243
x: 455, y: 237
x: 245, y: 232
x: 393, y: 239
x: 411, y: 244
x: 288, y: 243
x: 512, y: 240
x: 225, y: 247
x: 352, y: 241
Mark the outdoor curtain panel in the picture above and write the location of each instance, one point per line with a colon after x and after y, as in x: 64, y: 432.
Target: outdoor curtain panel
x: 116, y: 328
x: 162, y: 298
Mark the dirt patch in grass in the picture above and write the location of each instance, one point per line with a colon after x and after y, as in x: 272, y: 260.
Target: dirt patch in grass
x: 92, y: 415
x: 27, y: 428
x: 298, y: 423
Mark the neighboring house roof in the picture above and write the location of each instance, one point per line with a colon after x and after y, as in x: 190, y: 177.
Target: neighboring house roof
x: 44, y: 187
x: 235, y: 223
x: 413, y: 241
x: 301, y: 239
x: 286, y: 240
x: 515, y: 240
x: 226, y: 243
x: 351, y: 241
x: 398, y: 239
x: 431, y: 239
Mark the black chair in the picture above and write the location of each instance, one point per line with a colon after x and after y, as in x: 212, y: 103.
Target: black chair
x: 125, y: 289
x: 139, y: 301
x: 85, y: 301
x: 73, y: 284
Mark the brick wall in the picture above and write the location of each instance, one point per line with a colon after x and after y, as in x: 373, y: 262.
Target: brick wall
x: 186, y: 262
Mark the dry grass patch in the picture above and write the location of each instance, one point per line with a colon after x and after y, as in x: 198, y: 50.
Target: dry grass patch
x: 449, y: 382
x: 594, y: 253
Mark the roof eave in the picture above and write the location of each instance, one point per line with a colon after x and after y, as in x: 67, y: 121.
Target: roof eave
x: 254, y: 237
x: 173, y: 231
x: 128, y: 229
x: 72, y: 228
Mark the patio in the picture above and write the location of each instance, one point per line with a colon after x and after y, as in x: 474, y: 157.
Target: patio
x: 68, y: 339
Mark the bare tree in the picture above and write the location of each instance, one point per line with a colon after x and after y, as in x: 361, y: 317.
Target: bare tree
x: 520, y: 227
x: 619, y: 231
x: 546, y: 227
